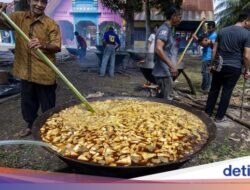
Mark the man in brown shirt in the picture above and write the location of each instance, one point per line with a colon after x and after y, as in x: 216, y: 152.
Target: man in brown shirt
x: 38, y: 81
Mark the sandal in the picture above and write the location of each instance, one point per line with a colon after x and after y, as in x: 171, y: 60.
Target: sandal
x: 220, y: 120
x: 25, y: 132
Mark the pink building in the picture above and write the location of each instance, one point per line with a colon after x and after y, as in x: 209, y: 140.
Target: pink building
x: 61, y: 12
x: 109, y: 18
x: 89, y: 17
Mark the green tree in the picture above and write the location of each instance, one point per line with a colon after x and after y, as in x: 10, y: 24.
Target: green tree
x: 128, y: 8
x: 21, y: 5
x: 147, y: 19
x: 162, y: 5
x: 227, y: 11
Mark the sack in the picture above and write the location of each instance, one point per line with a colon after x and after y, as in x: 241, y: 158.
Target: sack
x: 218, y: 63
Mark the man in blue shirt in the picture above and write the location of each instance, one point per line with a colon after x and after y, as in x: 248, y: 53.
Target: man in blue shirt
x: 111, y: 42
x: 207, y: 57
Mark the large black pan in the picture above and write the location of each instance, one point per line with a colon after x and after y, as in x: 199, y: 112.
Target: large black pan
x: 123, y: 172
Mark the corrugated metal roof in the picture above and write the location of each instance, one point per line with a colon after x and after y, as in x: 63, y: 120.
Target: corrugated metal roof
x: 197, y: 5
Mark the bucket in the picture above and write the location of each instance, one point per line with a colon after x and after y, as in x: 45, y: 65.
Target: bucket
x: 4, y: 75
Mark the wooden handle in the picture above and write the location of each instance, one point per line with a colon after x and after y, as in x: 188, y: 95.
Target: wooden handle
x: 190, y: 41
x: 242, y: 99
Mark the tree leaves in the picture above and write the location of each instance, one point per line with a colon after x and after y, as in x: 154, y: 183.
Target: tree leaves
x: 227, y: 11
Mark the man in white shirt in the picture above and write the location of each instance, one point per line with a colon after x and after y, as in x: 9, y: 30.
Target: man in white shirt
x: 148, y: 65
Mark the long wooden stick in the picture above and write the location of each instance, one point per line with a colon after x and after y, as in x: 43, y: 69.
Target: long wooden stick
x: 189, y: 43
x: 190, y: 84
x: 201, y: 106
x: 242, y: 99
x: 49, y: 63
x: 182, y: 56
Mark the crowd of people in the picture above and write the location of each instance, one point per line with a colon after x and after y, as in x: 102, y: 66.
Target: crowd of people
x: 225, y: 55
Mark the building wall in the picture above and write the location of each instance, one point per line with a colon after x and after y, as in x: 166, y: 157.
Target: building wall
x: 108, y: 15
x: 78, y: 11
x: 63, y: 11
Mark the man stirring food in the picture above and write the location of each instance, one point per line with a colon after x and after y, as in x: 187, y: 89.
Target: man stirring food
x: 38, y: 81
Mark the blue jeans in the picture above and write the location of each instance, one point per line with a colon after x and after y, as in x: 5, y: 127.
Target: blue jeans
x: 206, y: 77
x: 82, y: 53
x: 109, y: 53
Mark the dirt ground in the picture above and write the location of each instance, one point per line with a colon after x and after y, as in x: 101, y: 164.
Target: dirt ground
x: 232, y: 140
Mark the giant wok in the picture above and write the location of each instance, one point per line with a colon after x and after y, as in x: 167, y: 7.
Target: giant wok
x: 125, y: 171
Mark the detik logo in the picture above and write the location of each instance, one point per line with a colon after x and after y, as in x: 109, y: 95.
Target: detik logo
x: 243, y: 171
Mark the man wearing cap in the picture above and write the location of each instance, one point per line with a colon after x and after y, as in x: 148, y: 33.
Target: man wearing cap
x: 111, y: 42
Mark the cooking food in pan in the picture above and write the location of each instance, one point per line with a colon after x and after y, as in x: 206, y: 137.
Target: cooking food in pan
x: 125, y: 133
